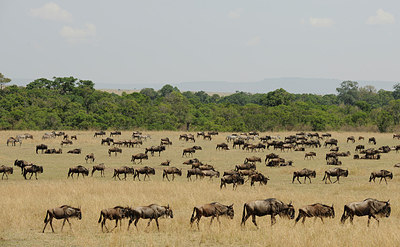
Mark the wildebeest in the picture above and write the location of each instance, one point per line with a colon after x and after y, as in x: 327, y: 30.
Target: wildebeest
x: 310, y: 155
x: 66, y: 142
x: 317, y: 210
x: 334, y: 161
x: 21, y: 164
x: 100, y: 167
x: 116, y: 213
x: 173, y: 171
x: 258, y: 177
x: 306, y: 173
x: 189, y: 151
x: 6, y: 170
x: 123, y: 170
x: 222, y: 146
x: 252, y: 159
x: 214, y: 209
x: 13, y: 141
x: 335, y: 172
x: 383, y: 174
x: 351, y: 138
x: 139, y: 156
x: 359, y: 147
x: 165, y: 163
x: 89, y: 157
x: 165, y: 141
x: 369, y: 207
x: 53, y: 151
x: 270, y: 156
x: 194, y: 172
x: 73, y: 137
x: 64, y: 212
x: 246, y: 166
x: 32, y: 169
x: 78, y: 169
x: 41, y: 147
x: 209, y: 173
x: 108, y: 140
x: 100, y: 133
x: 114, y: 150
x: 153, y: 211
x: 234, y: 179
x: 154, y: 149
x: 372, y: 140
x: 75, y: 151
x: 115, y: 133
x: 270, y: 206
x: 144, y: 170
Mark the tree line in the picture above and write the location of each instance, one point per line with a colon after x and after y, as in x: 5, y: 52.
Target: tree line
x: 71, y: 103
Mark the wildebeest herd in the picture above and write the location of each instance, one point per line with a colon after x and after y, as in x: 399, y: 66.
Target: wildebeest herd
x: 239, y: 175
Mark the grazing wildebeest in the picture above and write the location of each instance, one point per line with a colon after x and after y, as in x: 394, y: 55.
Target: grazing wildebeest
x: 246, y: 166
x: 6, y: 170
x: 369, y: 207
x: 115, y: 133
x: 75, y: 151
x: 234, y: 179
x: 144, y: 170
x: 306, y: 173
x: 317, y: 210
x: 21, y: 164
x: 100, y: 133
x: 335, y: 172
x: 191, y: 161
x: 252, y: 159
x: 372, y: 140
x: 270, y: 206
x: 276, y: 162
x: 209, y: 173
x: 383, y: 174
x: 66, y: 142
x: 139, y: 156
x: 396, y: 136
x: 114, y: 150
x: 351, y: 138
x: 123, y: 170
x: 41, y: 147
x: 397, y: 165
x: 222, y: 146
x: 238, y: 142
x: 74, y: 137
x: 189, y: 151
x: 194, y: 172
x: 100, y: 167
x: 165, y: 141
x: 78, y: 169
x: 108, y: 140
x: 154, y: 149
x: 258, y: 177
x: 214, y: 209
x: 173, y: 171
x: 165, y: 163
x: 116, y: 213
x: 32, y: 169
x: 89, y: 157
x: 359, y: 147
x: 310, y: 155
x: 331, y: 142
x: 206, y: 136
x: 153, y: 211
x: 335, y: 149
x: 64, y: 212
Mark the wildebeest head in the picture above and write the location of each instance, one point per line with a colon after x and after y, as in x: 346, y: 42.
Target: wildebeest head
x: 230, y: 212
x: 332, y: 211
x: 168, y: 212
x: 288, y: 211
x: 345, y: 173
x: 385, y: 211
x: 313, y: 174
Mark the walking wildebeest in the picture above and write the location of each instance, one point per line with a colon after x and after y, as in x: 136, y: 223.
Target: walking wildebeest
x: 335, y: 172
x: 116, y: 213
x: 310, y: 155
x: 383, y: 174
x: 306, y: 173
x: 144, y: 170
x: 194, y: 172
x: 214, y: 209
x: 100, y: 167
x: 139, y: 156
x: 100, y: 133
x: 123, y: 170
x: 21, y: 164
x: 154, y: 149
x: 78, y: 169
x: 89, y: 157
x: 247, y: 166
x: 173, y: 171
x: 32, y: 169
x: 359, y: 148
x: 41, y: 147
x: 258, y: 177
x: 66, y: 142
x: 222, y: 146
x: 114, y: 150
x: 369, y: 207
x: 115, y: 133
x: 270, y: 206
x: 234, y: 179
x: 153, y: 211
x: 13, y: 140
x: 6, y: 170
x: 372, y: 140
x: 317, y: 210
x: 64, y: 212
x: 209, y: 173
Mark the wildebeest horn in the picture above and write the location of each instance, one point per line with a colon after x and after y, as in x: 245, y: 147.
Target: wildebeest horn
x: 168, y: 205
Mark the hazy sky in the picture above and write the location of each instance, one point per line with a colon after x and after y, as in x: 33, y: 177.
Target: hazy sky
x: 204, y: 40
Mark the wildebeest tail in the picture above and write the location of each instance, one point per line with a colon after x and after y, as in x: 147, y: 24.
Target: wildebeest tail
x: 244, y: 214
x: 101, y: 215
x: 344, y: 216
x: 47, y: 214
x: 324, y: 177
x: 192, y: 218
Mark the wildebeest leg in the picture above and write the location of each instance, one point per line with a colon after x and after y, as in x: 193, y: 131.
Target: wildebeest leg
x: 273, y: 220
x: 322, y: 220
x: 309, y: 179
x: 254, y: 220
x: 218, y: 219
x: 298, y: 179
x: 51, y: 223
x: 305, y: 179
x: 212, y: 218
x: 173, y: 176
x: 385, y: 180
x: 116, y: 224
x: 158, y: 227
x: 31, y: 175
x: 62, y: 227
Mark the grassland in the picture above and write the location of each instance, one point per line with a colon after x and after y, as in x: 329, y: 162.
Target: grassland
x: 23, y: 203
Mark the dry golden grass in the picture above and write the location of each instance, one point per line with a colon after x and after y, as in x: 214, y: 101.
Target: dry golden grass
x: 24, y: 202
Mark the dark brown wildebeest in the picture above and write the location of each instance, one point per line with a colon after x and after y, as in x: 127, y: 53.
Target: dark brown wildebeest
x: 64, y: 212
x: 270, y: 156
x: 165, y: 141
x: 41, y: 147
x: 372, y: 140
x: 397, y: 165
x: 252, y: 159
x: 75, y: 151
x: 356, y: 156
x: 270, y: 206
x: 244, y: 173
x: 369, y: 207
x: 100, y: 133
x: 123, y: 170
x: 32, y: 169
x: 193, y: 172
x: 326, y: 135
x: 310, y: 155
x: 165, y: 163
x: 335, y: 149
x: 258, y: 177
x: 152, y: 212
x: 116, y: 213
x: 306, y: 173
x: 335, y: 172
x: 359, y: 148
x: 234, y: 179
x: 209, y: 173
x: 239, y: 143
x: 361, y: 138
x: 230, y: 172
x: 115, y: 133
x: 396, y: 136
x: 246, y: 166
x: 21, y: 164
x: 100, y: 167
x: 317, y: 210
x: 351, y: 138
x: 114, y: 150
x: 191, y: 161
x: 66, y: 142
x: 275, y: 162
x: 222, y: 146
x: 78, y: 169
x: 144, y: 170
x: 73, y: 137
x: 383, y: 174
x: 200, y: 133
x: 89, y: 157
x: 206, y: 136
x: 154, y: 149
x: 108, y: 140
x: 189, y: 151
x: 333, y: 161
x: 214, y: 209
x: 6, y: 170
x: 139, y: 156
x: 173, y: 171
x: 300, y: 149
x: 331, y: 142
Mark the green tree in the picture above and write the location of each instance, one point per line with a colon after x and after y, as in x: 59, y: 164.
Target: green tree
x: 384, y: 121
x: 396, y: 91
x: 348, y: 92
x: 3, y: 80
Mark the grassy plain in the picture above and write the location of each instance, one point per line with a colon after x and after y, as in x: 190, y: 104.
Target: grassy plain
x: 23, y: 203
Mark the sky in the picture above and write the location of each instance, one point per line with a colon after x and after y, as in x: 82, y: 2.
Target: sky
x: 130, y: 42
